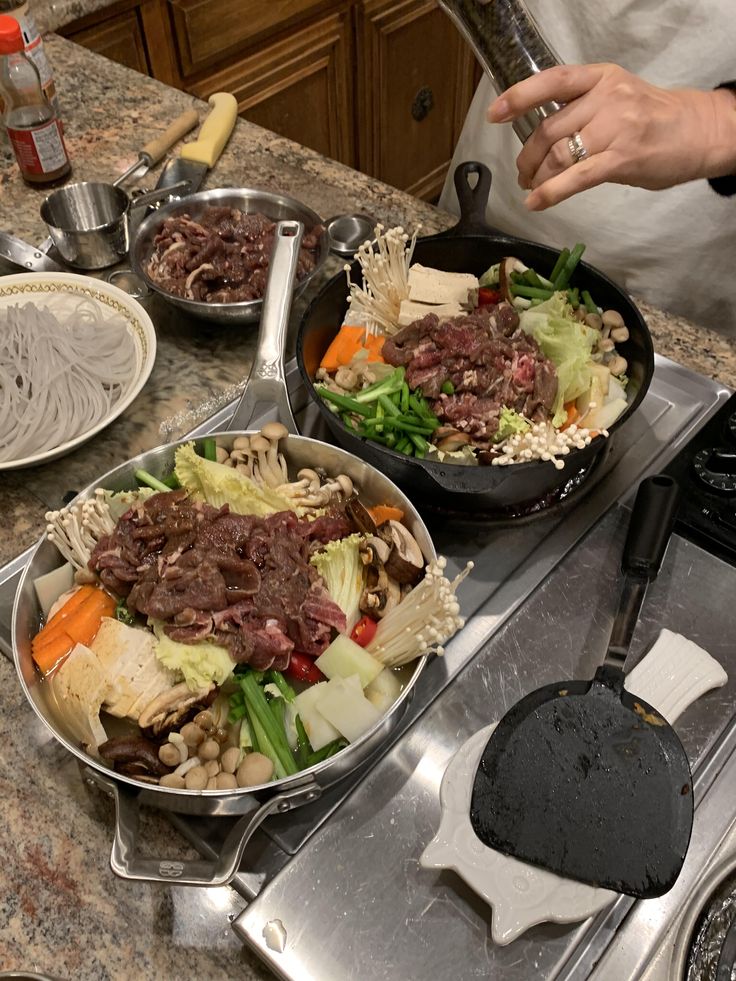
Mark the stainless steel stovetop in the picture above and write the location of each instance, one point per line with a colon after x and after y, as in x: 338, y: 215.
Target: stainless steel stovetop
x: 342, y: 875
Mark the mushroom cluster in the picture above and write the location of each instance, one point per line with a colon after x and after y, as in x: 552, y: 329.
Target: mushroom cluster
x: 613, y: 331
x: 203, y: 755
x: 392, y: 559
x: 260, y: 459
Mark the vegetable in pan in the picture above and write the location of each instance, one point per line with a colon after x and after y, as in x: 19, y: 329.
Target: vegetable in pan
x: 514, y: 366
x: 239, y: 628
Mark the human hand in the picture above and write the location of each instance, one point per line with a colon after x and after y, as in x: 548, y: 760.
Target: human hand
x: 634, y: 133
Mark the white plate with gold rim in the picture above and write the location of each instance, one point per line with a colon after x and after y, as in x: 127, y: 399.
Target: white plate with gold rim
x: 672, y: 676
x: 37, y: 287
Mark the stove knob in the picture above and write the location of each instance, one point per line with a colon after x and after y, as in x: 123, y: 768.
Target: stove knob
x: 716, y: 468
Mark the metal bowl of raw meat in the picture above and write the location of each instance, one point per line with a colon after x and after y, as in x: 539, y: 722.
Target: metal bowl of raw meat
x: 200, y: 251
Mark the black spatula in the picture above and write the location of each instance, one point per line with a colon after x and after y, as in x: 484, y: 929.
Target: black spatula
x: 584, y: 778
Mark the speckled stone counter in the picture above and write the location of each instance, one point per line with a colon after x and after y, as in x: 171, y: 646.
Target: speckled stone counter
x: 63, y: 911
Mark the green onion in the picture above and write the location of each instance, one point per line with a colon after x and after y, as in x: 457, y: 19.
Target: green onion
x: 303, y: 746
x: 265, y: 726
x: 404, y: 398
x: 588, y: 301
x: 404, y: 445
x: 172, y: 482
x: 344, y: 402
x: 329, y: 750
x: 561, y: 260
x: 146, y: 478
x: 387, y: 386
x: 276, y: 678
x: 568, y: 269
x: 531, y: 292
x: 420, y: 444
x: 209, y: 449
x: 448, y: 388
x: 387, y: 405
x: 573, y: 297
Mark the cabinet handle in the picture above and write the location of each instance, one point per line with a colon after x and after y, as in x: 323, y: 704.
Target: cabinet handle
x: 422, y: 104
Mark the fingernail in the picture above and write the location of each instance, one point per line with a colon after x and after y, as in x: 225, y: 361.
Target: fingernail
x: 531, y: 203
x: 500, y: 111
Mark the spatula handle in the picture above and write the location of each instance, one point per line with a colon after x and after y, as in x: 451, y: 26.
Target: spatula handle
x: 652, y: 519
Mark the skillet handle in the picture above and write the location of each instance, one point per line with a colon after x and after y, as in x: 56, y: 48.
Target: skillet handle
x: 650, y: 528
x: 473, y: 201
x: 127, y: 863
x: 267, y: 379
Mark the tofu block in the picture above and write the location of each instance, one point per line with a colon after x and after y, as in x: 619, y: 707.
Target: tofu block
x: 436, y: 286
x: 409, y: 311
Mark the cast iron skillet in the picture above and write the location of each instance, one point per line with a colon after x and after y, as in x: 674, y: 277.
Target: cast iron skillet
x: 472, y: 246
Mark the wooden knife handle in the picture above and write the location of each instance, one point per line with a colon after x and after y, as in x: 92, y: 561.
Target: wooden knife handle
x: 215, y: 131
x: 171, y: 135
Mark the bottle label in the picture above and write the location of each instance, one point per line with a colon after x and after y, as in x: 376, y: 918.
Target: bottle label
x: 39, y: 150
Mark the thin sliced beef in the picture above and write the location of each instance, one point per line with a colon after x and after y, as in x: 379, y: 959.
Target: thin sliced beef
x: 243, y: 581
x: 489, y: 361
x: 223, y: 257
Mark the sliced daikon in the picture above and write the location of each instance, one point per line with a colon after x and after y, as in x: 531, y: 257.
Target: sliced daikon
x: 344, y: 658
x: 383, y: 691
x: 345, y: 707
x: 51, y: 585
x: 319, y: 731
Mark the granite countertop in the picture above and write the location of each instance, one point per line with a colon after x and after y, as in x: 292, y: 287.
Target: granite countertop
x: 50, y: 15
x: 64, y: 911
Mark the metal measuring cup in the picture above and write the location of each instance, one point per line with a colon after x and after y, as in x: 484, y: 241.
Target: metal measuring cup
x: 88, y: 221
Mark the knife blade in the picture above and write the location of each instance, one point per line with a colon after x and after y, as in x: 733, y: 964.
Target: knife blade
x: 22, y: 254
x: 196, y: 158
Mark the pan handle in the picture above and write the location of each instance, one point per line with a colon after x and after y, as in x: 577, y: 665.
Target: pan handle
x: 473, y: 201
x: 127, y: 863
x: 650, y: 528
x: 267, y: 379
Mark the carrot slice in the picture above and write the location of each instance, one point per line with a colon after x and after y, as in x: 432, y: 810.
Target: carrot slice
x: 572, y: 415
x: 345, y: 345
x: 74, y: 601
x: 79, y: 626
x: 385, y: 512
x: 54, y: 652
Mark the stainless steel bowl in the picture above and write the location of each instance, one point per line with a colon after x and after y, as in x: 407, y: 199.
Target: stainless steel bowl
x: 277, y: 207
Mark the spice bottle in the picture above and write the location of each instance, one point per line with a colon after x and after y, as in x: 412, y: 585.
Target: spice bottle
x: 509, y: 46
x: 33, y: 44
x: 31, y: 123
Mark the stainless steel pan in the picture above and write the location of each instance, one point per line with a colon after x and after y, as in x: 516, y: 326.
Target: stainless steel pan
x: 277, y: 207
x: 254, y: 803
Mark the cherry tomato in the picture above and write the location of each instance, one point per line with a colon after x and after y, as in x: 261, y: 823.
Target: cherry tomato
x: 303, y: 668
x: 364, y: 631
x: 487, y: 296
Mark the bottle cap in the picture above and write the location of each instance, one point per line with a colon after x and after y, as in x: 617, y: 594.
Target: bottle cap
x: 11, y: 39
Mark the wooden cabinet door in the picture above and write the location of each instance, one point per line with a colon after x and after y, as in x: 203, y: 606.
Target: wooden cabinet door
x: 118, y: 38
x: 415, y: 83
x: 300, y: 87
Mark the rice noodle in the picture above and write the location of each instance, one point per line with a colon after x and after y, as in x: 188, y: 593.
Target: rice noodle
x: 61, y: 372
